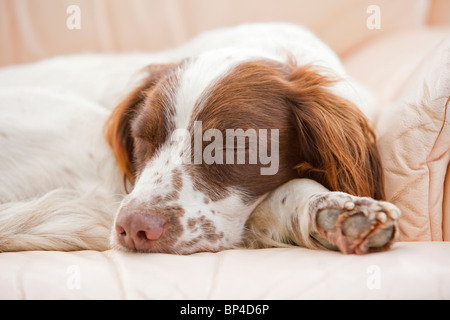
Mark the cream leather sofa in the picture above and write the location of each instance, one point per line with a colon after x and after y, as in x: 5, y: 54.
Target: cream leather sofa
x: 402, y: 55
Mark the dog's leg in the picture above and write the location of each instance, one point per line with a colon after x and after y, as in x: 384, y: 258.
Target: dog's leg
x: 60, y: 220
x: 303, y: 212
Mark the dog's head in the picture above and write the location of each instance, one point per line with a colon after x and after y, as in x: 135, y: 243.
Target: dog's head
x: 203, y: 141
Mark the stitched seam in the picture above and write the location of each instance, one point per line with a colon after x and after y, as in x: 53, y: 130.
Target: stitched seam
x: 444, y: 122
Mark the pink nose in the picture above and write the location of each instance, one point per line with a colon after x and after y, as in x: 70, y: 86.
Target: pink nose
x: 139, y: 230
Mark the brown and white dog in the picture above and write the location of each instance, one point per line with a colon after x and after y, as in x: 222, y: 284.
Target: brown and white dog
x: 252, y: 136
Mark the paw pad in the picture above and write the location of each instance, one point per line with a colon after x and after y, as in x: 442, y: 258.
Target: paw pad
x: 355, y: 225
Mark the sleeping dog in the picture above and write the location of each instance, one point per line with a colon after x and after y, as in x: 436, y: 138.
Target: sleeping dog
x: 252, y: 136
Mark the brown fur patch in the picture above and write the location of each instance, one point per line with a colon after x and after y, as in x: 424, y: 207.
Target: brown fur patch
x: 207, y: 228
x: 139, y: 123
x: 245, y: 99
x: 177, y: 179
x: 321, y: 136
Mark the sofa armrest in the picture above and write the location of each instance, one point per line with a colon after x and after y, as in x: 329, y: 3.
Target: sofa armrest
x: 414, y: 142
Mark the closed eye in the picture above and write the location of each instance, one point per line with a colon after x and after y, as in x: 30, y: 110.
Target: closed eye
x: 143, y: 151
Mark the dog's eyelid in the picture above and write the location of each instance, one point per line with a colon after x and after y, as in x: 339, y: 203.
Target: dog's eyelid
x: 139, y: 131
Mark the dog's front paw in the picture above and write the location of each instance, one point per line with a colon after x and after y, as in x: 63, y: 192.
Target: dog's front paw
x: 354, y: 224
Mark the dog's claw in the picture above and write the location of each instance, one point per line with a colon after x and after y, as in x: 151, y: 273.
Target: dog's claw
x: 349, y: 205
x: 381, y: 216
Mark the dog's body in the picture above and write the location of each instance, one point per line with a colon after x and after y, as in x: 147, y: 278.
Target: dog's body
x: 62, y: 183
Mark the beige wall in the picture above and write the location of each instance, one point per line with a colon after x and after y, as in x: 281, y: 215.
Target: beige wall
x: 34, y: 29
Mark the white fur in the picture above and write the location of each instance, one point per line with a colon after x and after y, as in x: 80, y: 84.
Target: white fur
x: 276, y: 213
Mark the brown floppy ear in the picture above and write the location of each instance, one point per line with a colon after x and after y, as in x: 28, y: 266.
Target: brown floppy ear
x: 118, y: 126
x: 337, y: 144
